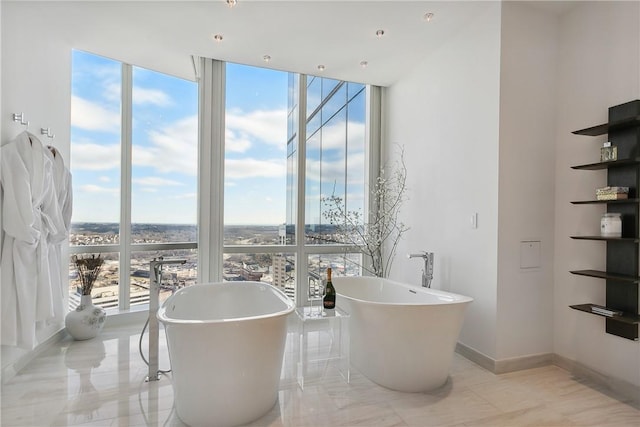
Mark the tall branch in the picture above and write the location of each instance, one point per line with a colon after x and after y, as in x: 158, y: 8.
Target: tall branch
x: 370, y: 236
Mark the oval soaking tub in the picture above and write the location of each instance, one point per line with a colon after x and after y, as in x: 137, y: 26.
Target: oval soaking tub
x: 226, y: 345
x: 402, y: 336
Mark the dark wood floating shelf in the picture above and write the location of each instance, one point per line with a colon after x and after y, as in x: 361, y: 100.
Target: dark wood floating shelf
x: 601, y: 202
x: 621, y: 275
x: 606, y: 165
x: 604, y: 275
x: 629, y: 318
x: 608, y: 239
x: 608, y: 127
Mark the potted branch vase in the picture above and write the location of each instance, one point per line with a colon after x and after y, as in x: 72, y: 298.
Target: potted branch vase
x: 86, y: 321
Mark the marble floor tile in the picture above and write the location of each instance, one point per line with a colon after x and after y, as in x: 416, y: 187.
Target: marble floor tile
x: 101, y: 382
x: 444, y: 409
x: 537, y: 416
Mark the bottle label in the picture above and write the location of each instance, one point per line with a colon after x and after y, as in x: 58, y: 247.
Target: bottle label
x: 329, y: 303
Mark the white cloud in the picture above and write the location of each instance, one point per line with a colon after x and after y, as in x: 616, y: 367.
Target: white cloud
x: 139, y: 96
x: 333, y: 139
x: 333, y: 135
x: 112, y: 91
x: 254, y: 168
x: 92, y: 116
x: 104, y: 179
x: 104, y: 74
x: 91, y: 156
x: 174, y: 148
x: 335, y: 168
x: 157, y: 97
x: 155, y: 181
x: 269, y: 126
x: 90, y: 188
x: 185, y: 196
x: 234, y: 142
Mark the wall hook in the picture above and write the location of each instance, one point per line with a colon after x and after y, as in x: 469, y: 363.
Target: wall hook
x: 47, y: 131
x: 19, y: 118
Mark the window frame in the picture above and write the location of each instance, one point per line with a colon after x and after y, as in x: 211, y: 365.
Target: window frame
x: 212, y: 127
x: 125, y: 248
x: 210, y: 193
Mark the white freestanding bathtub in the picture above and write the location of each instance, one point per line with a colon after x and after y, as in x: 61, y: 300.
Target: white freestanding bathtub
x: 226, y: 345
x: 402, y: 336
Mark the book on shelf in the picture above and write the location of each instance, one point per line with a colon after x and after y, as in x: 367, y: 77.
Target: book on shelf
x: 612, y: 189
x: 614, y: 196
x: 598, y: 309
x: 612, y: 193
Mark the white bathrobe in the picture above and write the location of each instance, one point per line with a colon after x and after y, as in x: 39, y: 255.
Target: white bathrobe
x: 64, y: 197
x: 30, y: 213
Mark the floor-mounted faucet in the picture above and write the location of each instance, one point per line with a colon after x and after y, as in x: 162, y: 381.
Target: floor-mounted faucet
x: 155, y: 279
x: 427, y: 272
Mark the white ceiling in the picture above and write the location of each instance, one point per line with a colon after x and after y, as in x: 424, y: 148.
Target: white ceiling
x: 298, y: 35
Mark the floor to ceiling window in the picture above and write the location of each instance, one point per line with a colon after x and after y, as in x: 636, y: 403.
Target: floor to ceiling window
x: 335, y: 166
x: 255, y: 177
x: 269, y: 234
x: 134, y: 165
x: 288, y: 142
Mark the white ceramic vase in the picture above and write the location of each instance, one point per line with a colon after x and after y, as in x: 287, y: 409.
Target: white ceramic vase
x: 86, y: 321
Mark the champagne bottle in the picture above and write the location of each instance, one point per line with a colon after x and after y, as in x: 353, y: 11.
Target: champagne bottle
x: 329, y: 300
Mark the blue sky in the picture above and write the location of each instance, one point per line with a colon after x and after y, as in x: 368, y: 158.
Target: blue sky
x: 164, y: 176
x: 164, y: 155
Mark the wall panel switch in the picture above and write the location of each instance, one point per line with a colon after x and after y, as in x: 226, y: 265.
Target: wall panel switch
x: 474, y: 220
x: 530, y: 254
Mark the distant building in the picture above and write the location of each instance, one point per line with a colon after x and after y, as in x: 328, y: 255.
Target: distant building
x: 315, y: 284
x: 251, y: 272
x: 282, y: 278
x: 141, y: 273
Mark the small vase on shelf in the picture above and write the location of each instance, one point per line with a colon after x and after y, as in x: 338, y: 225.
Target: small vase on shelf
x: 86, y: 321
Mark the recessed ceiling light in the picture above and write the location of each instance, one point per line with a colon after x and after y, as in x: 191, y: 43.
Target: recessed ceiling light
x: 217, y: 37
x: 428, y: 16
x: 321, y: 67
x: 232, y: 3
x: 364, y: 64
x: 379, y: 33
x: 266, y: 58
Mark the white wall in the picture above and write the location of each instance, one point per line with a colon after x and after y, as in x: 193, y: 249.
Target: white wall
x: 599, y: 67
x: 36, y: 76
x: 528, y: 66
x: 548, y: 75
x: 36, y: 73
x: 446, y: 113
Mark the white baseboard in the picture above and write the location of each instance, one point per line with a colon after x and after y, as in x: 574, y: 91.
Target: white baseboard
x: 476, y: 357
x: 504, y: 365
x: 526, y: 362
x: 616, y: 388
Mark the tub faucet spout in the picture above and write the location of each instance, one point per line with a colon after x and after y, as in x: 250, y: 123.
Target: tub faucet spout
x: 155, y: 280
x: 427, y: 272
